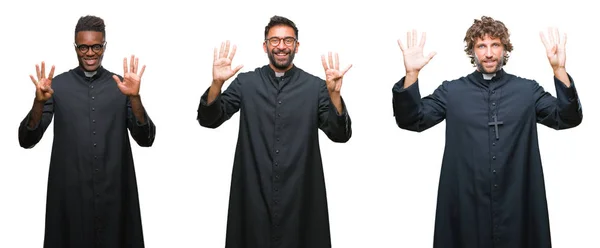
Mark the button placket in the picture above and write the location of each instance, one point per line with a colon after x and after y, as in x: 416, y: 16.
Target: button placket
x: 276, y: 169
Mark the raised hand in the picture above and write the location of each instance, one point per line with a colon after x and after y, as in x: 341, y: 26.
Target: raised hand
x: 414, y: 60
x: 43, y: 84
x: 333, y: 75
x: 555, y: 48
x: 130, y: 86
x: 222, y: 63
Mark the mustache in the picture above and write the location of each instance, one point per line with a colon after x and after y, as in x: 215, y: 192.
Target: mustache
x: 277, y: 50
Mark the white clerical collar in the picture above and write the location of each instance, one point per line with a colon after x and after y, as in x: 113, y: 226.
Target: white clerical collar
x: 279, y: 74
x: 488, y: 76
x: 89, y: 73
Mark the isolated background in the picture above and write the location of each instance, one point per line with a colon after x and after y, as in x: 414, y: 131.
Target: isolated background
x: 381, y: 185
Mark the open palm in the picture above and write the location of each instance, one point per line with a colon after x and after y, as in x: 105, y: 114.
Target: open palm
x: 222, y: 70
x: 555, y: 48
x: 414, y: 60
x: 43, y: 84
x: 130, y: 86
x: 333, y: 75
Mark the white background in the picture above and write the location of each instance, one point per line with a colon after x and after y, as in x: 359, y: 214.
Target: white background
x: 381, y: 185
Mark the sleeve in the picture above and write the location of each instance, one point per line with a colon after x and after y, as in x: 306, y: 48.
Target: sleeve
x: 222, y: 108
x: 142, y: 133
x: 561, y: 112
x: 337, y: 126
x: 418, y: 114
x: 29, y: 137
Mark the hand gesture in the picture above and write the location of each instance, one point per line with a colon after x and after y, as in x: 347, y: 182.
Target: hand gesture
x: 555, y: 48
x: 414, y: 60
x: 43, y: 85
x: 222, y: 63
x: 131, y: 79
x: 333, y: 75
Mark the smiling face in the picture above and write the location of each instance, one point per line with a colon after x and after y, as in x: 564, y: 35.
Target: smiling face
x: 89, y: 46
x: 488, y: 54
x: 281, y: 46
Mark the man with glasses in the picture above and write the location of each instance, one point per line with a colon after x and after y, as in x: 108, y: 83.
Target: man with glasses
x: 277, y: 196
x: 92, y: 198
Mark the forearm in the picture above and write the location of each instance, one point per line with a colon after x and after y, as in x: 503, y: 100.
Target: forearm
x: 561, y: 74
x: 410, y: 78
x: 137, y: 108
x: 214, y: 91
x: 36, y: 114
x: 336, y: 100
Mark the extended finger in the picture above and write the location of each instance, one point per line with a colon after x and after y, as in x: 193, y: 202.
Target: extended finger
x: 117, y: 80
x: 551, y: 36
x: 226, y: 52
x: 135, y: 67
x: 221, y: 50
x: 401, y: 45
x: 51, y: 75
x: 324, y: 62
x: 423, y: 37
x: 33, y: 80
x: 37, y: 71
x: 414, y: 37
x: 556, y: 35
x: 43, y: 73
x: 544, y: 40
x: 142, y: 71
x: 408, y: 40
x: 346, y: 70
x: 131, y: 64
x: 233, y: 49
x: 337, y: 61
x: 330, y: 61
x: 215, y: 55
x: 124, y: 66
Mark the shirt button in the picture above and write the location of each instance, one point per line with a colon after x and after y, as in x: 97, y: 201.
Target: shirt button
x: 494, y: 157
x: 94, y: 144
x: 91, y: 86
x: 279, y: 102
x: 93, y: 109
x: 277, y: 151
x: 495, y: 185
x: 93, y: 98
x: 94, y: 132
x: 493, y: 143
x: 93, y: 121
x: 494, y: 171
x: 493, y: 104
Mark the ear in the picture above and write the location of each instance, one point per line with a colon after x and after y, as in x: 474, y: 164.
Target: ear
x: 265, y: 46
x: 297, y: 46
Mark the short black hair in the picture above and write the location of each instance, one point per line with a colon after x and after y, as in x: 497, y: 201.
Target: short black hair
x: 90, y: 23
x: 280, y: 20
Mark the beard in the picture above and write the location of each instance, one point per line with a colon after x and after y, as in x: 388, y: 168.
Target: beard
x: 281, y: 64
x: 482, y: 69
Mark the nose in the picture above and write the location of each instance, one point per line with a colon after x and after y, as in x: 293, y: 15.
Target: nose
x: 281, y: 45
x: 89, y: 52
x: 488, y: 52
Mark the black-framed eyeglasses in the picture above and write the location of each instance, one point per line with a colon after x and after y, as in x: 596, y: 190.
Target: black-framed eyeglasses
x: 288, y: 41
x: 95, y: 48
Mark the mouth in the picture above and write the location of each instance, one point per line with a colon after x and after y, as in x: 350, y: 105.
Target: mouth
x: 489, y: 63
x: 90, y: 61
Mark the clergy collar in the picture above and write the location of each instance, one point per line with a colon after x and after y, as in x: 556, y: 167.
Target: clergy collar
x: 287, y: 73
x: 85, y: 74
x: 489, y: 77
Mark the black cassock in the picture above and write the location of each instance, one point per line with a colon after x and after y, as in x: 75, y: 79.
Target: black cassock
x: 491, y: 190
x: 277, y: 195
x: 92, y: 198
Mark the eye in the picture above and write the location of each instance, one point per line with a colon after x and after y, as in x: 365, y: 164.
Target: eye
x: 289, y: 40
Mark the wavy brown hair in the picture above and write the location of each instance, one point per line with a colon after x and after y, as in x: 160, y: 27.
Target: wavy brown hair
x: 491, y: 27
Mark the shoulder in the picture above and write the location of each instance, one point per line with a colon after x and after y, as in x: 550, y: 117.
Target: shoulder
x: 522, y: 81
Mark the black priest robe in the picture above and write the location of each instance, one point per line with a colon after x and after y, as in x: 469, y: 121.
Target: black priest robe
x: 92, y: 197
x: 277, y: 194
x: 491, y: 189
